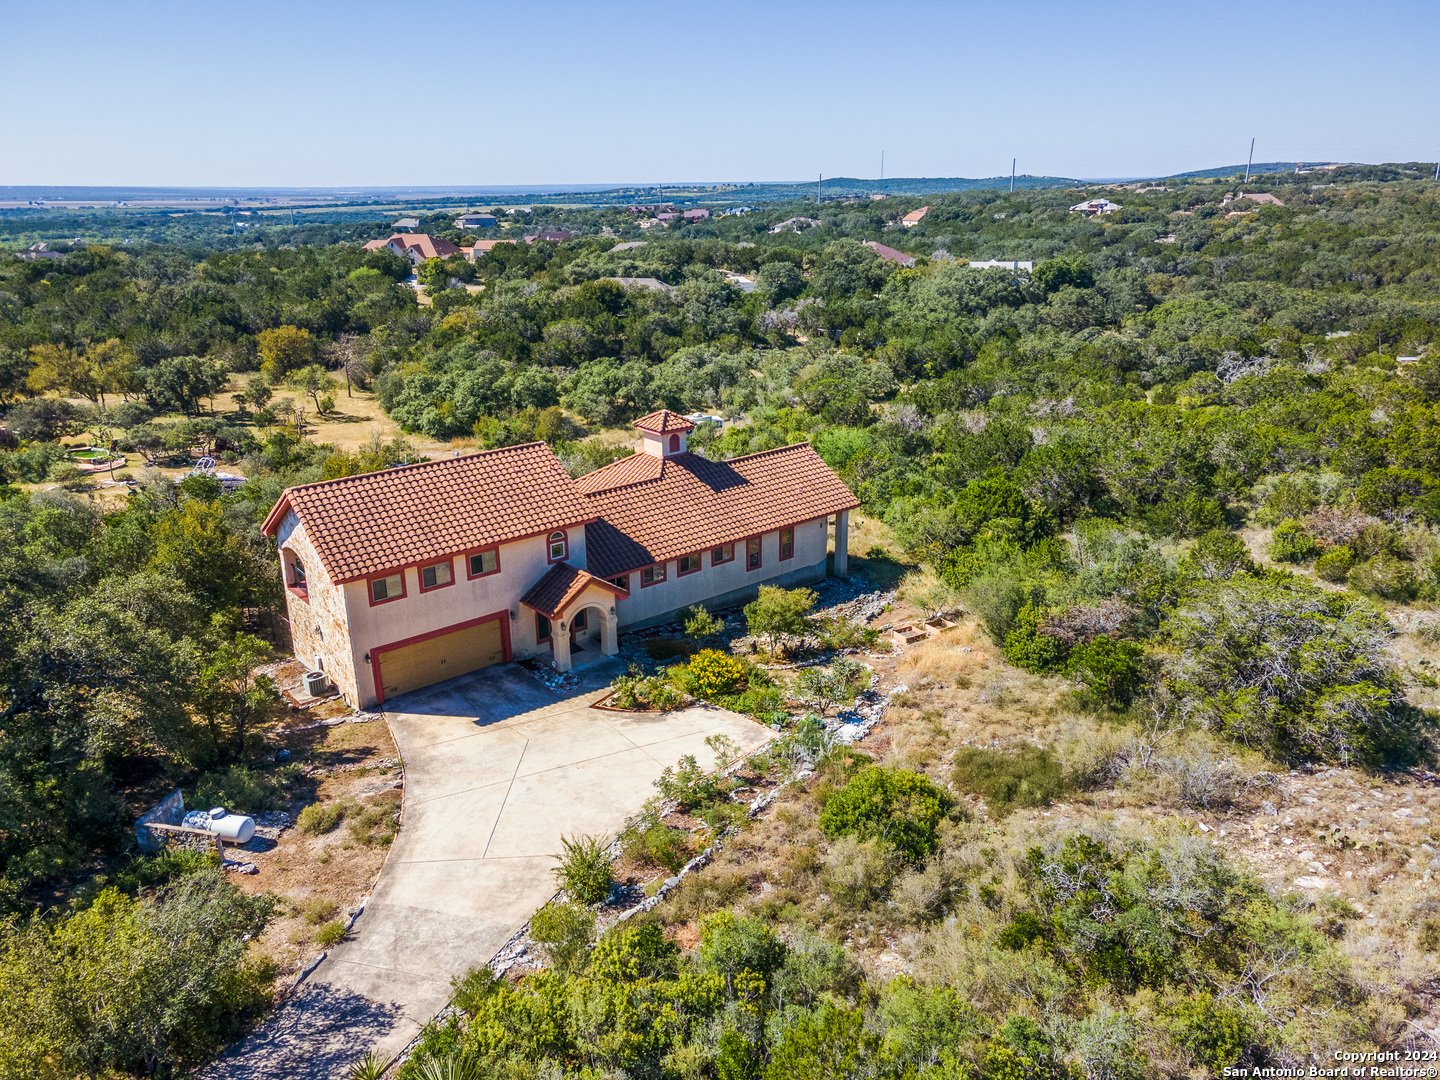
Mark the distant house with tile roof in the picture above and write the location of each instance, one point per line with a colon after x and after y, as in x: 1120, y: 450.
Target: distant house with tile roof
x: 914, y: 217
x: 890, y: 253
x: 401, y: 578
x: 417, y: 247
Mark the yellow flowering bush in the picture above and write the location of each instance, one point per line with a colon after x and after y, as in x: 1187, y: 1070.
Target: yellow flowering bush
x: 712, y: 672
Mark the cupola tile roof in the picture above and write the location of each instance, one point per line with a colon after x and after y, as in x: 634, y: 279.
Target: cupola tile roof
x: 360, y: 525
x: 664, y: 422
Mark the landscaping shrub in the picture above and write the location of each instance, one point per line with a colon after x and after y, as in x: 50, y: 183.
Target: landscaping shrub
x: 699, y: 624
x: 472, y: 989
x: 648, y: 840
x: 826, y: 686
x: 318, y: 818
x: 565, y: 932
x: 1291, y: 543
x: 584, y: 870
x: 841, y: 633
x: 643, y: 692
x: 779, y: 613
x: 1008, y: 779
x: 895, y: 806
x: 1217, y: 555
x: 331, y: 933
x: 711, y: 673
x: 687, y: 785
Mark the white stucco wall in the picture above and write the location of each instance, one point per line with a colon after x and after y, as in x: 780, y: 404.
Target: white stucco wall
x: 644, y: 604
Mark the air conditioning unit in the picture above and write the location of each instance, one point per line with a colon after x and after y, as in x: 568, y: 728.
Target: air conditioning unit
x: 316, y: 684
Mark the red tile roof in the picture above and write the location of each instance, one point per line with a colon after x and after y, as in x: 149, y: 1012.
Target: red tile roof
x: 554, y: 592
x: 360, y: 525
x: 431, y: 247
x: 664, y: 422
x: 652, y: 509
x: 890, y: 253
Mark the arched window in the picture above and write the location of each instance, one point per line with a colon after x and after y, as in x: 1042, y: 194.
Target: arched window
x: 559, y: 547
x: 674, y: 444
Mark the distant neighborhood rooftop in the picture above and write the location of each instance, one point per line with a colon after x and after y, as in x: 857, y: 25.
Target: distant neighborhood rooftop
x: 417, y: 246
x: 1095, y: 206
x: 890, y: 253
x: 914, y: 217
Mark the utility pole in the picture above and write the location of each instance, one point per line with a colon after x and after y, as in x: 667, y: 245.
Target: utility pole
x: 882, y: 165
x: 1250, y: 161
x: 1437, y: 170
x: 819, y: 189
x: 1012, y: 176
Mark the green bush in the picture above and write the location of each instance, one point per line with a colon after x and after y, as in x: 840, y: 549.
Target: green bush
x: 1112, y: 671
x: 840, y: 633
x: 565, y: 932
x: 687, y: 785
x: 1027, y: 647
x: 643, y: 692
x: 1291, y: 543
x: 166, y: 865
x: 1386, y: 577
x: 629, y: 952
x: 699, y: 624
x: 584, y: 870
x: 318, y: 909
x: 711, y: 673
x: 318, y: 818
x: 1214, y: 1034
x: 650, y: 841
x: 331, y: 933
x: 1217, y: 555
x: 374, y: 825
x: 132, y: 987
x: 469, y: 991
x: 895, y: 806
x: 731, y: 944
x: 1009, y: 779
x: 1334, y: 566
x: 245, y: 789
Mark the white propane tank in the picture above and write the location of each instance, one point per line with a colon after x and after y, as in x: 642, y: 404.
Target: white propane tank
x: 234, y: 828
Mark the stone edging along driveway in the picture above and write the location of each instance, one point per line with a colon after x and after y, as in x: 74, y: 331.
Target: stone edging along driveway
x: 497, y: 770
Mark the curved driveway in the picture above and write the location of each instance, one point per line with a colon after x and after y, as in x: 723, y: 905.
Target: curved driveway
x: 497, y: 770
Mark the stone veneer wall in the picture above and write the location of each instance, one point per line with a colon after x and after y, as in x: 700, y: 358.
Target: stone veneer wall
x: 319, y: 626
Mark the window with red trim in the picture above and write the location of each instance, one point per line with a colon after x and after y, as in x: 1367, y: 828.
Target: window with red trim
x: 559, y: 547
x: 295, y: 576
x: 722, y: 554
x: 787, y: 543
x: 387, y: 588
x: 752, y: 553
x: 481, y: 563
x: 542, y: 628
x: 436, y: 576
x: 687, y: 564
x: 652, y: 575
x: 623, y: 582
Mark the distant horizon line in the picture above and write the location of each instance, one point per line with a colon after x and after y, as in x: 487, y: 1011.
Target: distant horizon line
x: 540, y: 189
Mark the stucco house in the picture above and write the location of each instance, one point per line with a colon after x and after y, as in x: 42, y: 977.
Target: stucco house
x: 402, y: 578
x: 417, y: 247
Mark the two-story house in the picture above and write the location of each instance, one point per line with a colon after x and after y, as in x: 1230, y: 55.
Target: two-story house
x: 398, y: 579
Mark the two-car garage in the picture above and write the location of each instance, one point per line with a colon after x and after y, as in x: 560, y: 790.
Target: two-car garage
x: 408, y: 665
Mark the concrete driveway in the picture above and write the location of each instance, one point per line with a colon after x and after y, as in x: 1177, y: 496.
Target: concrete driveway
x: 497, y: 770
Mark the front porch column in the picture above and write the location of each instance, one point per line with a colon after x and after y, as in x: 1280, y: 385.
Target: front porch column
x: 842, y: 544
x: 560, y: 644
x: 609, y: 632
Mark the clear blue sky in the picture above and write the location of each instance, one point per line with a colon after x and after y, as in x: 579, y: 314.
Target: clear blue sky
x: 452, y: 92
